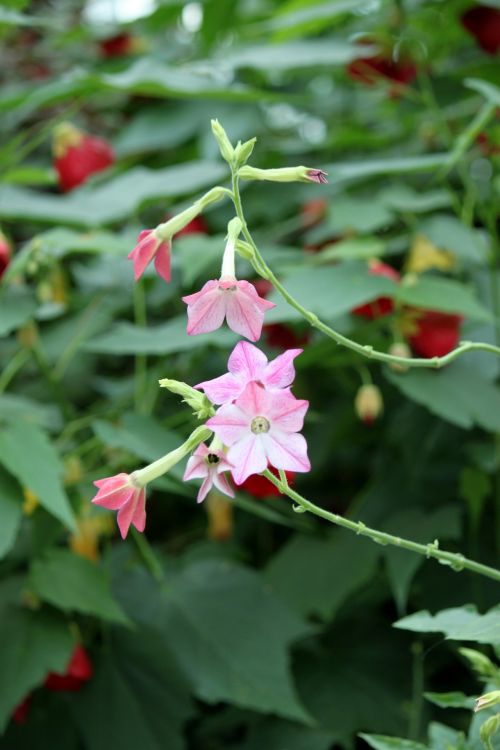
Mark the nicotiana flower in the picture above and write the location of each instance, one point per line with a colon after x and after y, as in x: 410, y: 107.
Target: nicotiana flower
x: 237, y: 301
x: 262, y: 427
x: 209, y: 464
x: 150, y: 246
x: 248, y: 364
x: 120, y: 493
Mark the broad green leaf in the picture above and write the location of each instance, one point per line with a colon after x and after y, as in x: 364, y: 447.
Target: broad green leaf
x: 38, y: 643
x: 25, y: 451
x: 274, y: 734
x: 451, y: 700
x: 316, y: 576
x: 443, y: 737
x: 17, y: 306
x: 293, y: 21
x: 30, y: 176
x: 352, y: 248
x: 446, y: 295
x: 405, y: 199
x: 330, y: 291
x: 485, y: 88
x: 313, y: 53
x: 158, y: 128
x: 12, y: 18
x: 111, y: 201
x: 457, y: 623
x: 74, y: 584
x: 448, y: 233
x: 138, y: 698
x: 126, y: 338
x: 341, y: 172
x: 351, y: 214
x: 11, y: 512
x: 143, y: 436
x: 381, y: 742
x: 14, y: 407
x: 227, y: 655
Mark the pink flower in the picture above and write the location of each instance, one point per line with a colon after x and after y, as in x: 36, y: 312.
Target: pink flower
x: 209, y: 464
x: 237, y: 301
x: 317, y: 175
x: 261, y: 428
x: 119, y: 493
x: 150, y: 246
x: 248, y: 364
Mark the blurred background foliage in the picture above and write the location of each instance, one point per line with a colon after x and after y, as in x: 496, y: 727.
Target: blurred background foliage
x: 241, y: 624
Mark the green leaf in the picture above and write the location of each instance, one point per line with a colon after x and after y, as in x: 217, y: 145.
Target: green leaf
x: 451, y: 700
x: 448, y: 233
x: 26, y: 452
x: 310, y: 18
x: 350, y: 214
x: 404, y: 199
x: 12, y: 18
x: 457, y: 623
x: 352, y: 248
x: 116, y: 199
x: 126, y: 338
x: 38, y: 643
x: 381, y: 742
x: 142, y: 435
x: 198, y: 254
x: 138, y: 698
x: 316, y: 576
x: 11, y: 512
x: 273, y: 733
x: 14, y: 407
x: 314, y: 53
x: 485, y: 88
x: 227, y: 655
x: 341, y: 172
x: 17, y: 306
x: 74, y: 584
x: 158, y: 128
x: 447, y: 295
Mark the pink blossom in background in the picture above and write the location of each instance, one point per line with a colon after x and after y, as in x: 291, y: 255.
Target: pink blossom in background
x: 209, y: 465
x: 248, y: 364
x: 262, y: 427
x: 150, y: 246
x: 119, y: 493
x: 237, y: 301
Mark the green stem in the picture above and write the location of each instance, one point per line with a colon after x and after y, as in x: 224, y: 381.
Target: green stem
x: 147, y: 553
x: 142, y: 477
x: 141, y: 363
x: 456, y: 561
x: 12, y: 368
x: 367, y: 351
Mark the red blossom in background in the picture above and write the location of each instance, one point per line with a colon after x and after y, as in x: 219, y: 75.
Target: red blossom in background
x: 383, y: 305
x: 5, y: 254
x: 259, y: 486
x: 483, y: 23
x: 437, y: 333
x: 78, y: 672
x: 198, y: 225
x: 118, y: 45
x: 78, y: 155
x: 21, y: 712
x: 368, y: 70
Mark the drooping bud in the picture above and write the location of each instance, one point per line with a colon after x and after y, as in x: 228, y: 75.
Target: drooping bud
x: 220, y: 135
x: 285, y: 174
x: 488, y: 700
x: 368, y: 403
x: 243, y: 152
x: 200, y: 404
x: 399, y: 349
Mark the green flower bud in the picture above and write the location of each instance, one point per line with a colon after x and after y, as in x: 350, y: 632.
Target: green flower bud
x: 480, y: 663
x: 488, y: 729
x: 200, y: 404
x: 488, y: 700
x: 287, y: 174
x: 226, y: 149
x: 243, y: 152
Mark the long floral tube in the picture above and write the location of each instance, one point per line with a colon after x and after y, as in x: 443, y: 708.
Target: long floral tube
x: 261, y: 267
x: 456, y: 561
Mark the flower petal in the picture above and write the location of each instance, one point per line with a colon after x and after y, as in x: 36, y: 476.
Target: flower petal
x: 125, y: 515
x: 113, y: 491
x: 248, y: 457
x: 286, y: 450
x: 229, y: 423
x: 286, y: 412
x: 247, y: 362
x: 205, y: 313
x: 255, y: 401
x: 280, y: 373
x: 162, y: 261
x: 245, y: 310
x: 144, y: 251
x: 223, y: 389
x: 205, y: 487
x: 139, y: 517
x: 196, y: 468
x: 220, y: 481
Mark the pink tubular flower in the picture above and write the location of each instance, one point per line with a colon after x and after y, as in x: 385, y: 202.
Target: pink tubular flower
x: 150, y: 246
x: 261, y: 428
x: 237, y: 301
x: 119, y: 493
x: 317, y: 175
x: 248, y: 364
x: 209, y: 464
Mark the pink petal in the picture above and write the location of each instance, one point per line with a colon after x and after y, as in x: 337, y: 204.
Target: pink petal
x: 220, y: 481
x: 205, y: 487
x: 206, y: 313
x: 139, y: 517
x: 190, y: 299
x: 130, y: 511
x: 243, y: 315
x: 287, y: 412
x: 280, y: 373
x: 144, y: 251
x: 247, y: 362
x: 255, y: 401
x: 286, y: 450
x: 229, y: 423
x: 113, y: 491
x: 162, y: 261
x: 196, y: 468
x: 248, y: 457
x: 251, y: 291
x: 223, y: 389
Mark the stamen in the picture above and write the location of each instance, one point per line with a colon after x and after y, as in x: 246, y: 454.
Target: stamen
x: 260, y: 425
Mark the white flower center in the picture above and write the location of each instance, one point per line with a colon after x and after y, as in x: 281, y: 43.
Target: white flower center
x: 260, y: 425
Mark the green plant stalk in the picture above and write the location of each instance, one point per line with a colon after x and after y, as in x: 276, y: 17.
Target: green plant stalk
x: 467, y: 137
x: 142, y: 477
x: 454, y: 560
x: 141, y: 362
x: 16, y: 364
x: 366, y: 351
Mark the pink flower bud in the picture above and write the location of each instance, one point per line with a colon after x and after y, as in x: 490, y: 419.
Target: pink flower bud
x: 120, y: 493
x: 150, y: 246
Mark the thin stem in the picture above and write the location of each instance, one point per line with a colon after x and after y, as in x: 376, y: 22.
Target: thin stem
x: 417, y: 691
x: 367, y: 351
x: 12, y: 368
x: 454, y: 560
x: 141, y: 362
x: 142, y: 477
x: 147, y: 553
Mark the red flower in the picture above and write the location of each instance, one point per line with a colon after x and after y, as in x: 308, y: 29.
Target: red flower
x: 21, y: 712
x: 368, y: 70
x: 77, y: 155
x: 278, y: 335
x: 382, y: 305
x: 437, y: 333
x: 78, y: 672
x: 259, y: 486
x: 483, y: 23
x: 5, y: 253
x: 313, y: 212
x: 198, y: 225
x: 118, y: 45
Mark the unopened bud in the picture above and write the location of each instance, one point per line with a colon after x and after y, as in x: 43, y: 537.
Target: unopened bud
x: 245, y: 250
x: 480, y: 662
x: 286, y: 174
x: 488, y: 700
x: 234, y: 228
x: 200, y: 404
x: 226, y: 149
x: 488, y: 729
x: 399, y: 349
x: 368, y: 403
x: 243, y: 152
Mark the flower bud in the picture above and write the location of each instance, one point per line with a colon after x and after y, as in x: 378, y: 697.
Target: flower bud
x: 286, y: 174
x: 245, y: 250
x: 399, y: 349
x: 488, y: 729
x: 479, y: 662
x: 234, y: 228
x: 368, y: 403
x: 195, y: 399
x: 243, y: 152
x: 226, y: 149
x: 488, y: 700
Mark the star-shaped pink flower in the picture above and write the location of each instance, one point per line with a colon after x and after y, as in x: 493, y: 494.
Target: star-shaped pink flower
x: 209, y: 465
x: 247, y: 364
x: 119, y: 493
x: 262, y: 427
x: 237, y: 301
x: 150, y: 246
